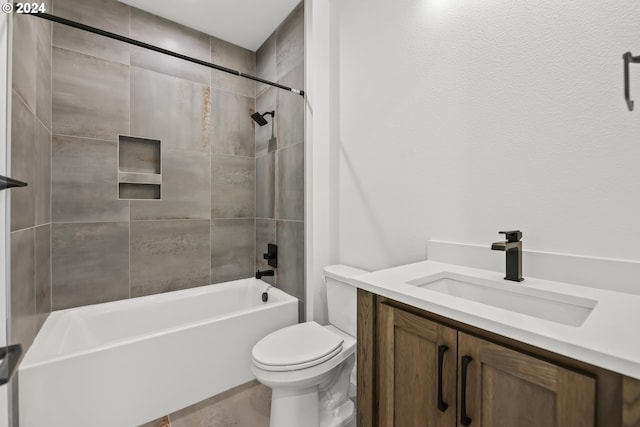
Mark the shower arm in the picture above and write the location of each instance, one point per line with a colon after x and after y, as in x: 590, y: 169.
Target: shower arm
x: 138, y: 43
x: 273, y: 116
x: 269, y: 113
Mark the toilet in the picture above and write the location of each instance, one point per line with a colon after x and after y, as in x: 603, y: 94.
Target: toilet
x: 311, y: 368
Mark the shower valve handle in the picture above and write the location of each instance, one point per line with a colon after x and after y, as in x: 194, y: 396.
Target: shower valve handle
x: 272, y: 255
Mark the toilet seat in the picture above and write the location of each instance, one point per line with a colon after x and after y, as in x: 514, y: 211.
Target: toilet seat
x: 296, y: 347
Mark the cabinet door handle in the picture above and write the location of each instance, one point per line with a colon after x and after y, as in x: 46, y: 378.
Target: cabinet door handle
x: 464, y: 419
x: 442, y: 405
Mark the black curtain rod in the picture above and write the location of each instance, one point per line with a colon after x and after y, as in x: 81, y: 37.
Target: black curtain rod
x: 161, y: 50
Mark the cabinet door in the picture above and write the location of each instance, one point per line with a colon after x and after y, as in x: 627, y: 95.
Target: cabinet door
x: 417, y: 361
x: 505, y: 388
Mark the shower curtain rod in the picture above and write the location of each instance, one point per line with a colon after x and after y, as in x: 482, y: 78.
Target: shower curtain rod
x: 138, y: 43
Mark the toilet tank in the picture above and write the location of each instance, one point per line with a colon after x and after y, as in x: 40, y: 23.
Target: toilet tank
x: 342, y: 297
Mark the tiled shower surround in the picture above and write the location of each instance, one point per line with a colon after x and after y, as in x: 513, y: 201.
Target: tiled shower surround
x: 202, y: 231
x: 30, y: 162
x: 280, y: 158
x: 228, y: 188
x: 204, y: 228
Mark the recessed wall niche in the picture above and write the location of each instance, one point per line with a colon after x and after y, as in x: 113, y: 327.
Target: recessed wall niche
x: 139, y: 168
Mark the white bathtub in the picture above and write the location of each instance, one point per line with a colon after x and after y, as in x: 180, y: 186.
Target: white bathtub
x: 123, y: 363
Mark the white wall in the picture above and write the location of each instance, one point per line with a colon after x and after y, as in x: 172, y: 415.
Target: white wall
x: 321, y: 183
x: 461, y: 118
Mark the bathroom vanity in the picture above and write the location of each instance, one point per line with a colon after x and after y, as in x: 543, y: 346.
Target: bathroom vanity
x: 429, y: 353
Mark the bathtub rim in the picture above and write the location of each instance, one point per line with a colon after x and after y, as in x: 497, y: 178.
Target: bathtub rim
x: 26, y: 363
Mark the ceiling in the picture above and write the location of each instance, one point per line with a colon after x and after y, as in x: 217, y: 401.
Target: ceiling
x: 246, y: 23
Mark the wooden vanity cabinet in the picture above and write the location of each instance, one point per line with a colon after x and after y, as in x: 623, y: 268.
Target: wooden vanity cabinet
x: 507, y: 388
x: 419, y: 369
x: 417, y: 361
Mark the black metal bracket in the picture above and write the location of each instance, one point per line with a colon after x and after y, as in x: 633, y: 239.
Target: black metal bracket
x: 628, y: 59
x: 9, y: 357
x: 6, y: 182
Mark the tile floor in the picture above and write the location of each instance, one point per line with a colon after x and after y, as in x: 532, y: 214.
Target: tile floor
x: 248, y: 405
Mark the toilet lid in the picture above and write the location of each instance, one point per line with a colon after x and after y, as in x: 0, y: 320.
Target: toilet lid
x: 296, y: 347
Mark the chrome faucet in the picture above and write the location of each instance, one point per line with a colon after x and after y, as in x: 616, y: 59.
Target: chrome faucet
x: 513, y: 248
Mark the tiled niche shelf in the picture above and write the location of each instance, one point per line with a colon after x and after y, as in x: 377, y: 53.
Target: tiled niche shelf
x: 139, y: 168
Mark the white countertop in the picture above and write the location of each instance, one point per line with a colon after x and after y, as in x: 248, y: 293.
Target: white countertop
x: 608, y: 338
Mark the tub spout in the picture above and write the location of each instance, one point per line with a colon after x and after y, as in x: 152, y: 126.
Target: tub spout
x: 261, y: 274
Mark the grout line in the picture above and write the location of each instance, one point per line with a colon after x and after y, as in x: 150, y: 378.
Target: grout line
x: 129, y: 248
x: 51, y: 166
x: 118, y: 154
x: 35, y: 288
x: 50, y: 268
x: 130, y: 92
x: 281, y: 219
x: 169, y: 75
x: 15, y: 92
x: 210, y: 188
x: 233, y: 219
x: 86, y: 222
x: 22, y: 229
x: 229, y: 155
x: 255, y: 206
x: 136, y: 220
x: 275, y: 130
x: 255, y: 186
x: 85, y: 137
x: 41, y: 122
x: 90, y: 55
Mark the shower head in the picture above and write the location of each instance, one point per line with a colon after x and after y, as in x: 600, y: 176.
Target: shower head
x: 259, y: 118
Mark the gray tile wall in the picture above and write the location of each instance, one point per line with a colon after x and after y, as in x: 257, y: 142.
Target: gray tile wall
x: 30, y: 162
x: 169, y: 35
x: 72, y: 241
x: 169, y: 256
x: 280, y: 158
x: 173, y: 110
x: 83, y: 179
x: 30, y: 279
x: 23, y: 318
x: 202, y: 231
x: 232, y: 248
x: 90, y: 96
x: 90, y: 263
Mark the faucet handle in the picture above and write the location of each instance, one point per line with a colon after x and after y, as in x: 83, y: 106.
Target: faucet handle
x: 512, y: 236
x: 272, y: 255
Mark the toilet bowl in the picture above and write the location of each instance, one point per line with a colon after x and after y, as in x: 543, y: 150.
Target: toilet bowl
x: 310, y: 368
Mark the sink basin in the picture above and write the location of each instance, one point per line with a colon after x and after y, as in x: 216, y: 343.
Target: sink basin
x: 556, y: 307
